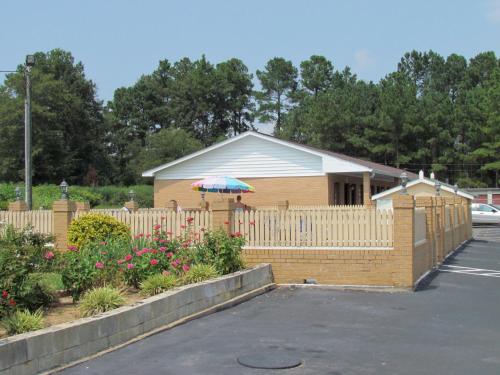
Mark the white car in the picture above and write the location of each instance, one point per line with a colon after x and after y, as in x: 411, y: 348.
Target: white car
x: 485, y: 214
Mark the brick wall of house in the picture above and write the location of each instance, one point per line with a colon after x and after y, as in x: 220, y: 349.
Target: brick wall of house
x: 268, y: 191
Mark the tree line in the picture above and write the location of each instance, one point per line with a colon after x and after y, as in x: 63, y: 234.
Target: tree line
x: 435, y: 113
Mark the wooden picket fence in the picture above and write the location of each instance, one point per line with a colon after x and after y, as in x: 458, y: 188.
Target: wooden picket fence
x: 365, y: 227
x: 143, y: 221
x: 39, y: 220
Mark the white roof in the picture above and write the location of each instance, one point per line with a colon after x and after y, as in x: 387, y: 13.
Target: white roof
x: 325, y: 163
x: 426, y: 181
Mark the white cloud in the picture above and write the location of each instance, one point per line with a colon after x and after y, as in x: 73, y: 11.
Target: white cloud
x: 364, y: 60
x: 493, y: 11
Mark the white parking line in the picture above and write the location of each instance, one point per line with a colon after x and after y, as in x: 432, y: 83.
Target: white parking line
x: 469, y: 270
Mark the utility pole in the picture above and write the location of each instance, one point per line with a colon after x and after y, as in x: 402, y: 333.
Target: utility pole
x: 30, y: 61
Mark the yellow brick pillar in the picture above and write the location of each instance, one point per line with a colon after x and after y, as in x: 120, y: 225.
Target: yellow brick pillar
x: 63, y: 211
x: 367, y: 192
x: 430, y: 216
x: 82, y: 206
x: 282, y: 205
x: 404, y: 234
x: 18, y: 206
x: 440, y: 228
x: 222, y: 214
x: 132, y: 206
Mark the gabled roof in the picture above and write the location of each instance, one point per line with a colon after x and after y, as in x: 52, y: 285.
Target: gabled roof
x: 427, y: 181
x: 356, y: 165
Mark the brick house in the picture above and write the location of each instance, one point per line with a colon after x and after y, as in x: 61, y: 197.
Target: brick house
x: 279, y: 170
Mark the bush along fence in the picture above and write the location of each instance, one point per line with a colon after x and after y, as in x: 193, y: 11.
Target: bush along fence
x: 340, y: 245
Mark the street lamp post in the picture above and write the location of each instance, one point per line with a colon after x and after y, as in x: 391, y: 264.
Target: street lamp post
x: 30, y: 61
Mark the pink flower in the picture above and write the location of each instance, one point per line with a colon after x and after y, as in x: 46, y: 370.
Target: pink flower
x: 185, y: 267
x: 130, y: 266
x: 49, y: 255
x: 99, y: 265
x: 12, y: 302
x: 103, y: 243
x: 170, y: 254
x: 156, y: 239
x: 148, y: 235
x: 183, y: 226
x: 5, y: 294
x: 153, y: 262
x: 72, y: 248
x: 163, y: 241
x: 157, y: 226
x: 120, y: 261
x: 162, y: 249
x: 138, y: 253
x: 128, y: 257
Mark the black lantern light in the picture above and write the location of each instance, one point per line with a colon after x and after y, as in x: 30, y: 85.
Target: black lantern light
x: 17, y: 191
x: 64, y: 190
x: 131, y: 195
x: 438, y: 188
x: 404, y: 182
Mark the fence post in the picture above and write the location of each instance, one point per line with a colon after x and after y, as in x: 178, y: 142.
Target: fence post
x: 82, y: 206
x: 171, y: 205
x: 440, y: 210
x: 404, y: 238
x: 18, y: 206
x: 132, y: 206
x: 468, y: 218
x: 222, y: 214
x: 63, y: 211
x: 282, y: 205
x: 428, y: 204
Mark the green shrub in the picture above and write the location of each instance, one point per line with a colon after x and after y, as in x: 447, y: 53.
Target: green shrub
x: 38, y: 290
x: 24, y: 253
x: 100, y: 300
x: 96, y: 227
x: 116, y: 196
x: 93, y: 265
x: 221, y: 250
x: 156, y: 284
x: 199, y: 273
x: 22, y: 321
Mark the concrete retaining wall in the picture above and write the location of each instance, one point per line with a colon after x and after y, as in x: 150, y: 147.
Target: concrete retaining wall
x: 61, y: 344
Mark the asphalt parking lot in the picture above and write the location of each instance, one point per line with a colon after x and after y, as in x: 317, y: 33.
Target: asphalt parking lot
x: 450, y: 326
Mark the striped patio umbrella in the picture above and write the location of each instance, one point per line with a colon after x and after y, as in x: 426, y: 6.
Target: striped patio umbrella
x: 222, y: 184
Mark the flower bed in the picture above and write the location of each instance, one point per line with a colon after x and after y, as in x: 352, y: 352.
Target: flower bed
x: 103, y: 267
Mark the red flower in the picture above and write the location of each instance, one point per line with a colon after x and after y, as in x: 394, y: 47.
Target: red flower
x: 5, y: 294
x: 237, y: 234
x: 163, y: 241
x: 157, y: 226
x: 163, y: 249
x: 49, y: 255
x: 156, y: 239
x: 154, y: 262
x: 130, y: 266
x: 103, y: 243
x: 99, y: 265
x: 120, y: 261
x: 183, y: 226
x: 226, y: 222
x: 170, y: 254
x: 128, y: 257
x: 189, y: 220
x: 185, y: 267
x: 72, y: 248
x: 148, y: 235
x: 12, y: 302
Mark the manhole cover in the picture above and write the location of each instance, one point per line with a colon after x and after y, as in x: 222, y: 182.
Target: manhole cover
x: 269, y: 360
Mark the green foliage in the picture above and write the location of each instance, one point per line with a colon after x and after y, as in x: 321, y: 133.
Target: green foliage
x: 39, y: 290
x: 220, y: 250
x: 93, y: 265
x: 24, y: 255
x: 199, y: 273
x: 22, y: 321
x: 101, y: 196
x: 100, y: 300
x: 96, y: 227
x: 158, y: 283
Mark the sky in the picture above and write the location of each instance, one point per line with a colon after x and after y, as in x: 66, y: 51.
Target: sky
x: 118, y: 41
